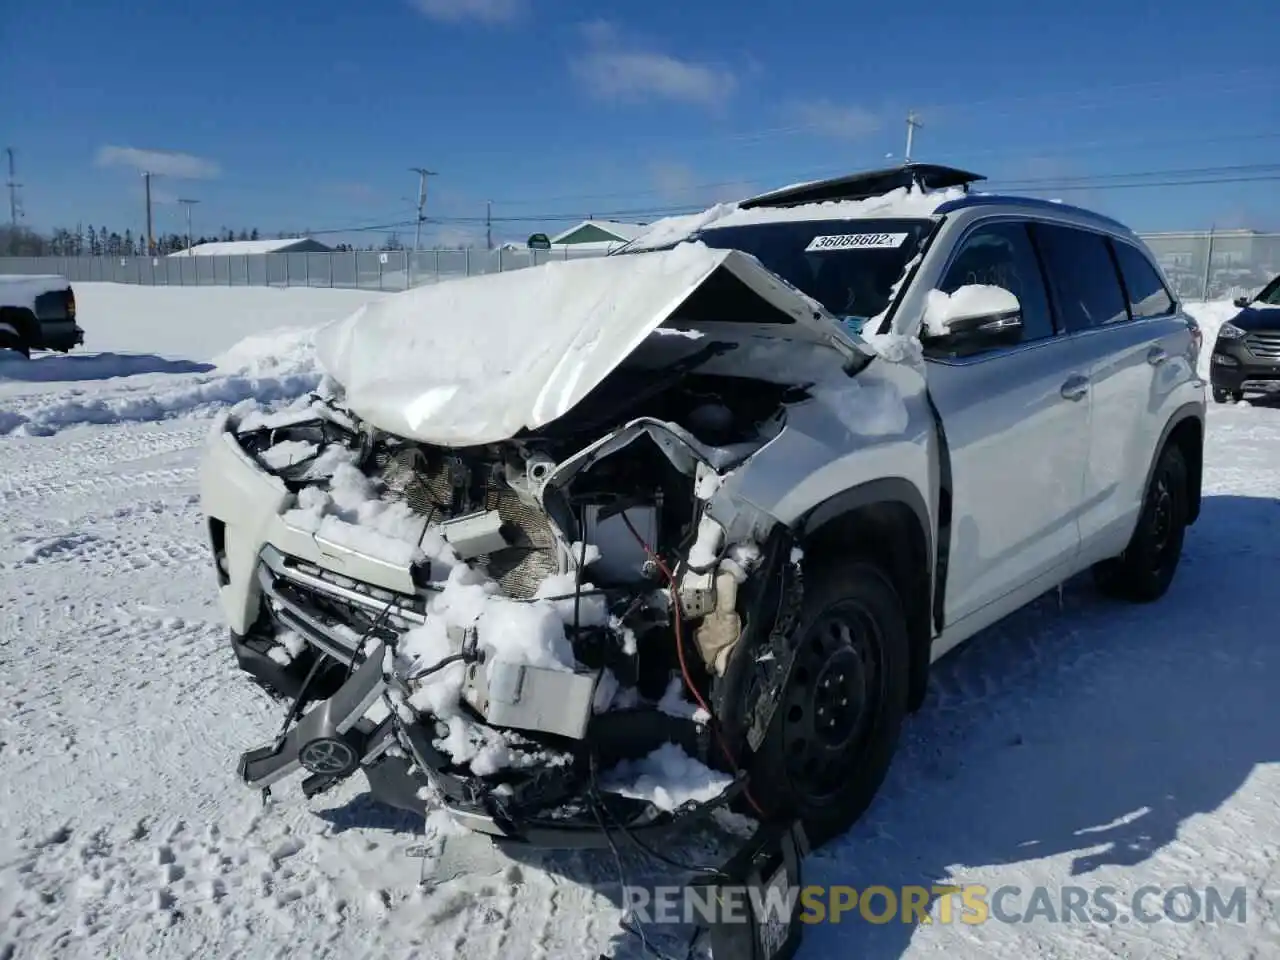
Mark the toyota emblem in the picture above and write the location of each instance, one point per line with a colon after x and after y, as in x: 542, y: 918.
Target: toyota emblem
x: 329, y: 756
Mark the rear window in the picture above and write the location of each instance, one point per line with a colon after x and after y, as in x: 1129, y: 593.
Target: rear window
x: 1082, y: 275
x: 1147, y: 294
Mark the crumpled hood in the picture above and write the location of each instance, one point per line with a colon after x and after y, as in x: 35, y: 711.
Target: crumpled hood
x: 477, y: 360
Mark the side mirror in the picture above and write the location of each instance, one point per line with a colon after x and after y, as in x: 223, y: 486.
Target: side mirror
x: 974, y: 317
x: 1242, y: 301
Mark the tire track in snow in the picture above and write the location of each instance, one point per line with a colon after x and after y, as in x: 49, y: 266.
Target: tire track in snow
x: 82, y: 485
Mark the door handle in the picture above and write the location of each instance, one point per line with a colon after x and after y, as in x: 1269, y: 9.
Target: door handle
x: 1075, y: 388
x: 1157, y: 356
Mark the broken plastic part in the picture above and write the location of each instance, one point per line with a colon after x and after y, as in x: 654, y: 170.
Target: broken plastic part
x: 474, y: 535
x: 720, y: 629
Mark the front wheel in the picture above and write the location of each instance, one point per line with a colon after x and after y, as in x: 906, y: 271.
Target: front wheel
x: 1223, y: 395
x: 1146, y: 568
x: 840, y: 712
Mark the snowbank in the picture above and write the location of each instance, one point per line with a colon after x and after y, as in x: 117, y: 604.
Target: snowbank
x: 269, y: 368
x: 199, y: 323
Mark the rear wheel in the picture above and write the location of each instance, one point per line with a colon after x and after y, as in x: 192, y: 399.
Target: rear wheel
x: 840, y: 713
x: 1146, y: 568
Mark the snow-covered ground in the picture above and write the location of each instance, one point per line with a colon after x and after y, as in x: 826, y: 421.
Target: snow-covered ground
x: 1097, y: 744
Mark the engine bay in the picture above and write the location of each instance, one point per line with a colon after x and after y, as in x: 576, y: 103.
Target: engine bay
x: 576, y: 605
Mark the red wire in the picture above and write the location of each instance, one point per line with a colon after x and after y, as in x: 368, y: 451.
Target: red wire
x: 684, y: 668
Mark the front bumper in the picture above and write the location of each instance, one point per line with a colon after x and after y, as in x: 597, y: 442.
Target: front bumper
x: 348, y: 732
x: 1235, y: 367
x: 60, y: 335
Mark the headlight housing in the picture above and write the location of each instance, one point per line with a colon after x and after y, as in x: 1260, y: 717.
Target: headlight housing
x: 1229, y: 331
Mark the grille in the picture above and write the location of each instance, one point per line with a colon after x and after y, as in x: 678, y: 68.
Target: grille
x: 1265, y: 345
x: 439, y: 490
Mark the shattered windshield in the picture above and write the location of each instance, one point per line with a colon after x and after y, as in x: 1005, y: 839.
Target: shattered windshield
x: 849, y: 266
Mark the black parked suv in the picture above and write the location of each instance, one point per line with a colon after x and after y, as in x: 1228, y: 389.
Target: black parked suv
x: 1246, y: 356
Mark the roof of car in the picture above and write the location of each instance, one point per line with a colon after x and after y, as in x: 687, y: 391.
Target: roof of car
x: 865, y: 185
x: 1048, y: 206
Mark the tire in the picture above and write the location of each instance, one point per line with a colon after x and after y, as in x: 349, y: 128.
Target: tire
x: 840, y: 712
x: 1222, y: 395
x: 1145, y: 570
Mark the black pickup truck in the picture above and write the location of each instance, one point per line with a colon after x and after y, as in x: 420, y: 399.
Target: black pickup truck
x: 38, y: 313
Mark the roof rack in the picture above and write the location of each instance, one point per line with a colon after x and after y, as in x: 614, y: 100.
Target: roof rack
x: 871, y: 183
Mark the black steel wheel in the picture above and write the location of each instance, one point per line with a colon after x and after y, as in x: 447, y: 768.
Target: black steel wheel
x: 840, y: 713
x: 1145, y: 570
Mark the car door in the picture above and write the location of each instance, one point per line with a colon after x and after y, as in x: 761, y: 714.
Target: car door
x: 1016, y: 424
x: 1112, y: 303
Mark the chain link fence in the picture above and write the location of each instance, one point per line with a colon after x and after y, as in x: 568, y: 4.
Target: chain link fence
x: 367, y: 270
x: 1215, y: 265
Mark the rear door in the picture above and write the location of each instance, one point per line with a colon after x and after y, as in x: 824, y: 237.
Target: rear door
x: 1016, y: 420
x: 1113, y: 305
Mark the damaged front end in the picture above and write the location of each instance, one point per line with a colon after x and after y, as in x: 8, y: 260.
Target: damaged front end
x: 566, y: 616
x: 528, y: 593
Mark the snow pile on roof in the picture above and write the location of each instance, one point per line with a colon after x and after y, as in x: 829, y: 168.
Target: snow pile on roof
x: 668, y: 778
x: 902, y: 202
x: 228, y: 248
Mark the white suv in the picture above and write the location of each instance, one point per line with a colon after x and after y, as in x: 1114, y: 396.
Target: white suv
x: 607, y: 543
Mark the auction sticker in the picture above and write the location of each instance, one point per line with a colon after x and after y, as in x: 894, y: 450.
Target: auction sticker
x: 856, y: 241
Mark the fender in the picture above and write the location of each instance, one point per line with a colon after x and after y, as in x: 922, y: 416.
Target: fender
x: 1188, y: 411
x: 880, y: 490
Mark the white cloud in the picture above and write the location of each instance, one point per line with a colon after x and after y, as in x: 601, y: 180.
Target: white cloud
x: 162, y: 162
x: 612, y: 69
x: 483, y: 11
x: 834, y: 120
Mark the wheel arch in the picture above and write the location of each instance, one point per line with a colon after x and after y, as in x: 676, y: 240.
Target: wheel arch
x: 886, y: 520
x: 23, y: 323
x: 1185, y: 429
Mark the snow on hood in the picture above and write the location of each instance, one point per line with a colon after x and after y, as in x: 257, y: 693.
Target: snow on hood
x: 477, y: 360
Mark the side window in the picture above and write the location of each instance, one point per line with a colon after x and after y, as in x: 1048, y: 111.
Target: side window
x: 1083, y: 277
x: 1147, y: 294
x: 1001, y: 255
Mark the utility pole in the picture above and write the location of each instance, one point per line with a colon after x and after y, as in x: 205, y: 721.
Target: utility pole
x: 188, y: 204
x: 13, y: 191
x: 13, y: 204
x: 913, y: 123
x: 422, y: 173
x: 146, y: 178
x: 488, y: 224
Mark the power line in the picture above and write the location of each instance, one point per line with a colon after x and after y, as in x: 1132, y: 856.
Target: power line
x: 1192, y: 176
x: 827, y: 170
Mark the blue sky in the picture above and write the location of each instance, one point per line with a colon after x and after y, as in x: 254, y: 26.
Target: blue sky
x: 308, y: 115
